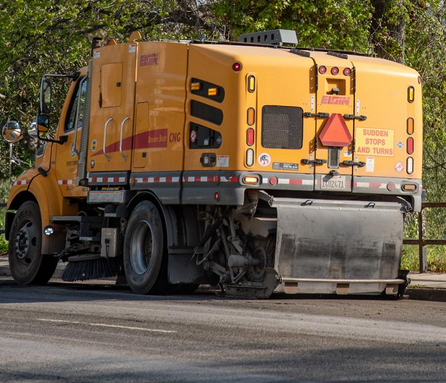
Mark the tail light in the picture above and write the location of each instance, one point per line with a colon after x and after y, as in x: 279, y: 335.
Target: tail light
x: 237, y: 67
x: 334, y: 70
x: 410, y: 145
x: 250, y: 137
x: 322, y: 69
x: 347, y: 72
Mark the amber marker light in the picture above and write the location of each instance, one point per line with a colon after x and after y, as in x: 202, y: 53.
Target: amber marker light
x: 251, y: 180
x: 411, y: 94
x: 195, y: 86
x: 251, y: 116
x: 212, y: 91
x: 409, y: 187
x: 251, y: 84
x: 410, y: 126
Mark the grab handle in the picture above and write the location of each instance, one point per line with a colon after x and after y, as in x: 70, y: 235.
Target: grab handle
x: 105, y: 138
x: 120, y: 140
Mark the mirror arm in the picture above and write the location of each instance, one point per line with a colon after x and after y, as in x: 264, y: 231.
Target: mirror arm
x: 60, y: 141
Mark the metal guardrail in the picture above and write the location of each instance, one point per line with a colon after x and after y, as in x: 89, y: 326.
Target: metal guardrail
x: 421, y: 242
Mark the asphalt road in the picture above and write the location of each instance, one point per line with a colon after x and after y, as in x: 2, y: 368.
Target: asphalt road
x: 89, y: 333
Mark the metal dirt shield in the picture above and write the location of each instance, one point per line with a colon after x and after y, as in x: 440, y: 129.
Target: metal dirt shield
x: 343, y: 247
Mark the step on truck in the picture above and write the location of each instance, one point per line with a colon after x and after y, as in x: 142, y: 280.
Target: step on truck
x: 252, y: 165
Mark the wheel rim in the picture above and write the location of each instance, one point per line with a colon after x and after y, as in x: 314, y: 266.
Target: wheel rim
x: 141, y: 247
x: 25, y: 244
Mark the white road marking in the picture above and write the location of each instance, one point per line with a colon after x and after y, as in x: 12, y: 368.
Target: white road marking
x: 106, y: 325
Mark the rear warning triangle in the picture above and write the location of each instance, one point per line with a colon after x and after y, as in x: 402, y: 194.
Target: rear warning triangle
x: 335, y: 132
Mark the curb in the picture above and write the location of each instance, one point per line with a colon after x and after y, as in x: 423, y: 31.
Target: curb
x: 434, y: 295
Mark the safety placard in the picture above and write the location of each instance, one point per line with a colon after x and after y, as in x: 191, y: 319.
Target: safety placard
x: 374, y: 142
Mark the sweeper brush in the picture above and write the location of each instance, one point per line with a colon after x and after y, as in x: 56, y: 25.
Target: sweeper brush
x: 83, y: 268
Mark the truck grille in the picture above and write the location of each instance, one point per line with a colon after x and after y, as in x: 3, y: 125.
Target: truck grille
x: 282, y: 127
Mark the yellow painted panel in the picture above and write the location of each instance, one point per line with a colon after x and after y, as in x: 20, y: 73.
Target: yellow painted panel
x: 160, y: 97
x: 291, y: 77
x: 381, y: 95
x: 141, y: 126
x: 335, y: 95
x: 112, y: 65
x: 111, y: 85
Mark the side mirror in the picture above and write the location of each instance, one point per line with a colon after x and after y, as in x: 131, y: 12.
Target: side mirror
x: 45, y: 96
x: 43, y: 123
x: 12, y: 132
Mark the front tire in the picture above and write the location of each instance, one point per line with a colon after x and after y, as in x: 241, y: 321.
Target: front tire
x: 27, y: 263
x: 144, y: 250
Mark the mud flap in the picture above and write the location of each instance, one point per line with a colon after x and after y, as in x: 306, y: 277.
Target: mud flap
x: 344, y: 247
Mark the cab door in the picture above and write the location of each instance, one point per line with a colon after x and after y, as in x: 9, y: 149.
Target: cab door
x: 112, y: 110
x: 333, y: 160
x: 70, y: 128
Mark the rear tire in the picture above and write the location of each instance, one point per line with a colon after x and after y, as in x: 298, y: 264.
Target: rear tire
x: 144, y: 250
x: 27, y: 263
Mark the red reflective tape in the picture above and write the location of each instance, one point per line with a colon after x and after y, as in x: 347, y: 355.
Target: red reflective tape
x: 197, y: 179
x: 210, y: 179
x: 156, y: 179
x: 375, y: 185
x: 168, y: 179
x: 233, y: 179
x: 295, y: 181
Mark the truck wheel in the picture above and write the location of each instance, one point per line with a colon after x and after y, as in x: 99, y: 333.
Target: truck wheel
x: 144, y: 249
x: 27, y: 263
